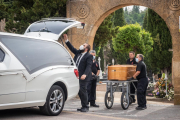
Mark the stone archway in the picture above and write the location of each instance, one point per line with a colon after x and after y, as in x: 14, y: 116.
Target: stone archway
x: 93, y: 12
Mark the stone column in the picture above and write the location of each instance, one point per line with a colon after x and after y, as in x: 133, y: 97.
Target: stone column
x: 176, y: 77
x: 173, y: 24
x: 176, y: 70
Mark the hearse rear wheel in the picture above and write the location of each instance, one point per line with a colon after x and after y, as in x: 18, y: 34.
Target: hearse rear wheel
x: 54, y: 102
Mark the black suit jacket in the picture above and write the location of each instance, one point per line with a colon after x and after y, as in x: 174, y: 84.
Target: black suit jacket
x: 85, y: 63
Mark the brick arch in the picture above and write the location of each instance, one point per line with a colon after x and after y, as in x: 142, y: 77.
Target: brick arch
x: 93, y: 12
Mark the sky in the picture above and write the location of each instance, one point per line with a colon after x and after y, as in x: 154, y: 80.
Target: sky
x: 141, y: 8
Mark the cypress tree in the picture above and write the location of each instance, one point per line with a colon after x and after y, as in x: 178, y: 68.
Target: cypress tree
x: 145, y: 21
x: 119, y: 18
x: 126, y: 10
x: 104, y: 33
x: 131, y: 17
x: 160, y: 56
x: 119, y: 21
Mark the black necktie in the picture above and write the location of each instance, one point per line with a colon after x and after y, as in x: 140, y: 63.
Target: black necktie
x: 78, y: 59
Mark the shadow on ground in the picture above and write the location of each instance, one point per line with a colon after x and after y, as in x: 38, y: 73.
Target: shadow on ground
x: 24, y: 112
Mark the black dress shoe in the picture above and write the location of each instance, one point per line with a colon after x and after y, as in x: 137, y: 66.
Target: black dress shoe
x: 84, y: 109
x: 94, y: 105
x: 140, y: 108
x: 79, y: 109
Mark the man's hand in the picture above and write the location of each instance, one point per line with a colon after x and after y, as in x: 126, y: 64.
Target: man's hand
x: 83, y: 77
x: 94, y: 77
x: 136, y: 74
x: 130, y: 79
x: 65, y: 36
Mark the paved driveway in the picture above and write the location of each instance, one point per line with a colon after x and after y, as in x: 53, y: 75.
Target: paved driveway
x: 155, y: 111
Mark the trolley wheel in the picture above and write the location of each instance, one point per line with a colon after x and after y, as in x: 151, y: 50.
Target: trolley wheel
x: 124, y: 101
x: 130, y: 100
x: 108, y: 100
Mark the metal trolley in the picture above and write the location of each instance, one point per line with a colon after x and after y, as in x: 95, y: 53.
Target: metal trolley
x: 124, y: 87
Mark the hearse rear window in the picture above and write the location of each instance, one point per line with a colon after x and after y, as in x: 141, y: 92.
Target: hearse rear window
x: 55, y: 26
x: 36, y: 54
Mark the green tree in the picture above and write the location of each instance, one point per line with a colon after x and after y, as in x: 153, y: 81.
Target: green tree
x: 104, y: 33
x: 24, y: 12
x: 160, y: 57
x: 136, y: 9
x: 145, y: 21
x: 4, y: 6
x: 126, y: 10
x: 111, y: 54
x: 119, y: 18
x: 119, y: 57
x: 132, y: 38
x: 131, y: 17
x: 2, y: 10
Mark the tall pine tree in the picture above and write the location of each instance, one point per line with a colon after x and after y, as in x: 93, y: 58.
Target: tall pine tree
x: 5, y: 5
x: 24, y: 12
x: 145, y: 21
x: 119, y: 21
x: 135, y: 15
x: 160, y: 56
x: 104, y: 33
x: 119, y: 18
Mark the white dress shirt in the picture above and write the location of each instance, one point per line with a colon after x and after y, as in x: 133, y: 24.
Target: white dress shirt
x: 80, y: 58
x: 66, y: 41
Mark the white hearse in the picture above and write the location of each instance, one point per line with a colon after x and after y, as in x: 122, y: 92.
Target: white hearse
x: 36, y: 70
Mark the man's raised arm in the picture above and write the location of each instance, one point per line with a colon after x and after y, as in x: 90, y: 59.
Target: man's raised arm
x: 74, y: 50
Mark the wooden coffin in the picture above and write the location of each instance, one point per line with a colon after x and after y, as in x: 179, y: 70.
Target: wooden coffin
x: 121, y: 72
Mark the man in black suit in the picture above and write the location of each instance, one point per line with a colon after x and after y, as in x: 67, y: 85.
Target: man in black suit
x: 83, y: 60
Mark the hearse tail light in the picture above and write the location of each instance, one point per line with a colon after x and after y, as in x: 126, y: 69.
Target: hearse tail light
x: 76, y: 73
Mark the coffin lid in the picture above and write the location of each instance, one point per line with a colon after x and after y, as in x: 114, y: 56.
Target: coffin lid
x: 122, y: 66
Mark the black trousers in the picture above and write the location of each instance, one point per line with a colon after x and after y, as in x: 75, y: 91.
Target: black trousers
x: 132, y: 89
x: 83, y: 93
x: 141, y: 91
x: 92, y: 91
